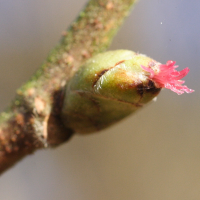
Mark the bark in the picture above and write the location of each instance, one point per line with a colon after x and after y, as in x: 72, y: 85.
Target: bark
x: 33, y: 119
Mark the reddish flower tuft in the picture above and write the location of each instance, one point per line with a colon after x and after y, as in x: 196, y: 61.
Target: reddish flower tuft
x: 169, y: 78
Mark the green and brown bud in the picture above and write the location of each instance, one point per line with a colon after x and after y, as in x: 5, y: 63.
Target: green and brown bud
x: 107, y: 88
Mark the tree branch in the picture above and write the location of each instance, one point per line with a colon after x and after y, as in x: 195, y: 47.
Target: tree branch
x: 33, y: 119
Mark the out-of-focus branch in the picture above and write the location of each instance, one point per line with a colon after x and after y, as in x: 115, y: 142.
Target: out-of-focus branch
x: 33, y: 119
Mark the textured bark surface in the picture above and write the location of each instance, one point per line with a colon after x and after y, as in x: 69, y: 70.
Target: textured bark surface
x: 33, y: 119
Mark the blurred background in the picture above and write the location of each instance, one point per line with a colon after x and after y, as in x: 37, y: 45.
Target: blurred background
x: 152, y: 155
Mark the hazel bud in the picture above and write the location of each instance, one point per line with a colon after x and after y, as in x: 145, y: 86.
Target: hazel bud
x: 107, y: 88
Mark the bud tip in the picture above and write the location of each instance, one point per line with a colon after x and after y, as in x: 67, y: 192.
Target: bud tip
x: 168, y: 77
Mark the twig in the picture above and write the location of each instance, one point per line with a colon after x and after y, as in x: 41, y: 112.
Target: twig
x: 33, y: 120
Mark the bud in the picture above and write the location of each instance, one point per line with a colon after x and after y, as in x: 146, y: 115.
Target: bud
x: 107, y: 88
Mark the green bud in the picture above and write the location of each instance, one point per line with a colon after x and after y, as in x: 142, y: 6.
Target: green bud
x: 107, y: 88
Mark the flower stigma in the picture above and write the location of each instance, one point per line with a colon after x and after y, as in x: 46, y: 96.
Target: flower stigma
x: 168, y: 77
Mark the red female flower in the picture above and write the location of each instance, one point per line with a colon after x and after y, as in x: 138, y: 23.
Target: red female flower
x: 168, y: 77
